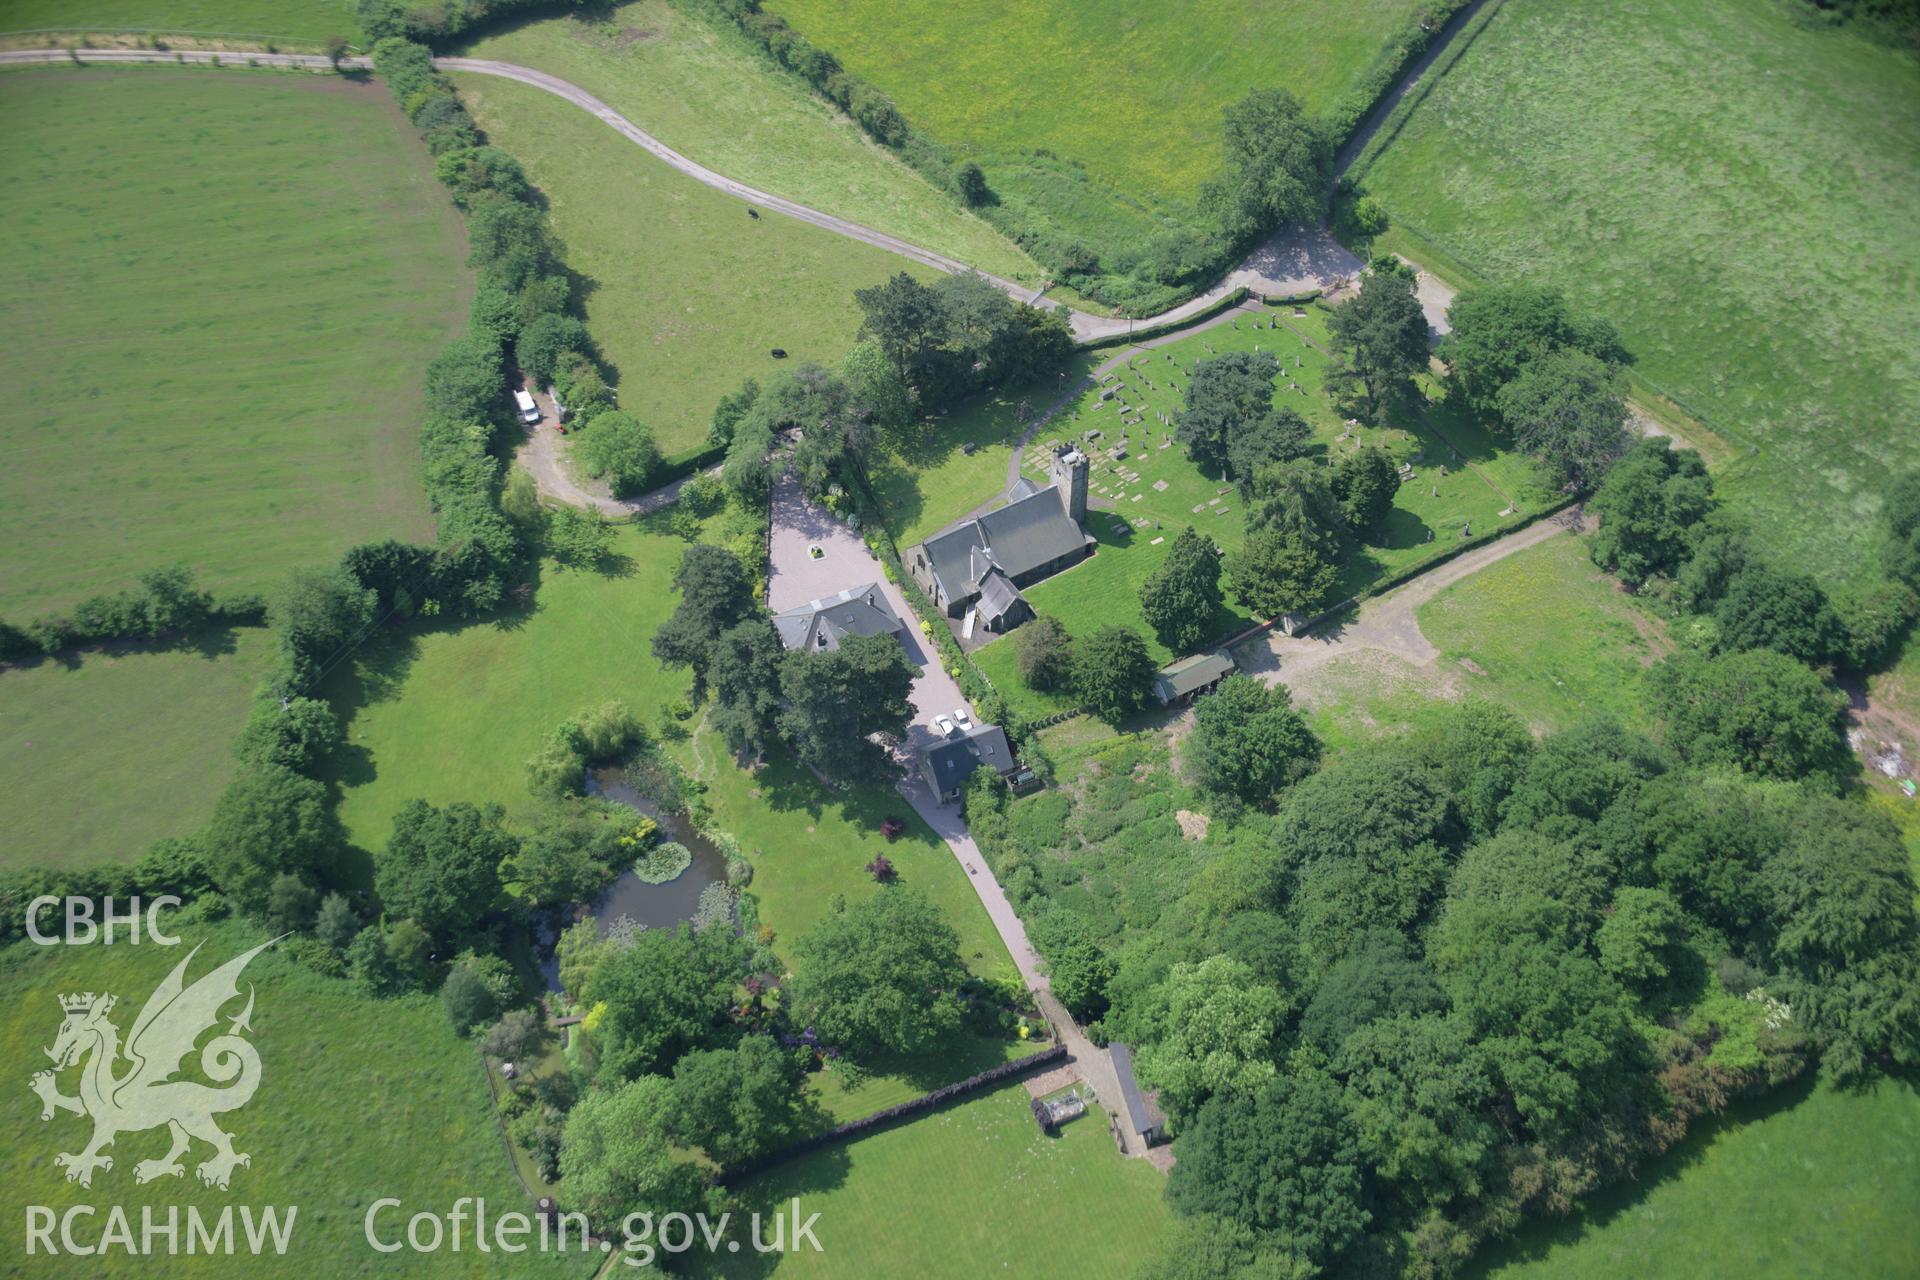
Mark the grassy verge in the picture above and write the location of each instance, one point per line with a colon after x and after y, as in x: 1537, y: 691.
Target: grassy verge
x: 224, y: 286
x: 705, y: 91
x: 686, y: 294
x: 1736, y: 234
x: 108, y: 751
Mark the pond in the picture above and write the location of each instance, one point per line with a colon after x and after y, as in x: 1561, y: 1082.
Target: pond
x: 657, y: 906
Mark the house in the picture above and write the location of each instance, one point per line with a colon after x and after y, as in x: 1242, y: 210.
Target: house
x: 982, y: 562
x: 1188, y: 678
x: 820, y: 625
x: 1143, y: 1119
x: 948, y: 763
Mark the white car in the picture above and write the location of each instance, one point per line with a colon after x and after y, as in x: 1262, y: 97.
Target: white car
x: 961, y: 718
x: 943, y: 726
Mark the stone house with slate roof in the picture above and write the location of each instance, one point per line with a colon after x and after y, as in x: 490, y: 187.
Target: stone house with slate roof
x: 820, y: 625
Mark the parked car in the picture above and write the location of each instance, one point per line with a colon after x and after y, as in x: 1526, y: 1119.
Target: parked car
x: 961, y: 718
x: 528, y: 410
x: 943, y: 726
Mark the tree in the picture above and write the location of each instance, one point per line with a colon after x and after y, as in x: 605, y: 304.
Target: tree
x: 1078, y: 967
x: 442, y: 866
x: 291, y: 902
x: 1379, y: 340
x: 1496, y: 331
x: 515, y: 1036
x: 616, y: 1158
x: 541, y: 345
x: 319, y: 612
x: 665, y: 995
x: 744, y: 674
x: 905, y: 317
x: 1901, y: 511
x: 337, y: 47
x: 971, y: 183
x: 1765, y: 608
x: 1650, y: 507
x: 615, y: 447
x: 1213, y: 1026
x: 879, y: 393
x: 1181, y: 597
x: 883, y: 975
x: 269, y: 820
x: 468, y: 172
x: 579, y: 537
x: 1282, y: 1160
x: 1113, y: 672
x: 1576, y: 775
x: 1279, y: 436
x: 295, y: 734
x: 839, y: 699
x: 1841, y: 887
x: 1636, y: 941
x: 465, y: 381
x: 1228, y: 395
x: 716, y: 593
x: 1476, y: 750
x: 1758, y: 711
x: 337, y: 922
x: 1043, y: 654
x: 1275, y: 169
x: 1365, y: 482
x: 732, y: 408
x: 1281, y: 571
x: 467, y: 1000
x: 569, y: 857
x: 1381, y: 977
x: 1418, y: 1094
x: 1569, y: 410
x: 1248, y: 741
x: 739, y: 1104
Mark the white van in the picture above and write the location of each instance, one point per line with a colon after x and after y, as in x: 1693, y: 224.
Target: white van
x: 529, y: 411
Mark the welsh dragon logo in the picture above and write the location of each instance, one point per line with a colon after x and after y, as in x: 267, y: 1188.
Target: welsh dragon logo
x: 143, y: 1094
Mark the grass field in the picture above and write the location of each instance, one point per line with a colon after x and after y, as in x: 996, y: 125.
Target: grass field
x: 446, y: 714
x: 1135, y: 519
x: 358, y: 1100
x: 1547, y: 633
x: 1823, y: 1187
x: 225, y: 286
x: 1735, y: 191
x: 104, y: 754
x: 308, y: 21
x: 972, y: 1190
x: 1102, y: 113
x: 688, y: 295
x: 705, y: 91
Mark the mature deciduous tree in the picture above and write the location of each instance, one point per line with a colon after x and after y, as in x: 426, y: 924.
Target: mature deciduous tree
x: 1276, y: 165
x: 716, y: 593
x: 442, y: 866
x: 882, y: 975
x: 1379, y: 340
x: 1248, y: 741
x: 839, y: 699
x: 666, y: 995
x: 1569, y: 410
x: 1113, y: 672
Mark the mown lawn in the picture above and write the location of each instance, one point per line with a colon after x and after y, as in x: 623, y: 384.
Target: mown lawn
x: 105, y: 752
x: 454, y: 713
x: 810, y: 845
x: 707, y: 92
x: 308, y: 21
x: 1822, y: 1187
x: 1463, y: 484
x: 686, y: 294
x: 972, y: 1190
x: 225, y: 287
x: 359, y: 1099
x: 1550, y: 635
x: 1101, y: 113
x: 1735, y: 191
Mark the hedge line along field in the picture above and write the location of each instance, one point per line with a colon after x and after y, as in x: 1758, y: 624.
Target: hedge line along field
x: 107, y: 751
x: 707, y: 92
x: 306, y: 21
x: 1043, y: 92
x: 224, y: 287
x: 985, y: 1193
x: 1735, y: 191
x: 359, y: 1100
x: 686, y: 294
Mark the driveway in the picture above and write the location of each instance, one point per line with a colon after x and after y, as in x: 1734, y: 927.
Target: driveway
x: 794, y: 577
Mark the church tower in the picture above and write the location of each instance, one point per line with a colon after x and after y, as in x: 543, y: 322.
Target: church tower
x: 1070, y: 478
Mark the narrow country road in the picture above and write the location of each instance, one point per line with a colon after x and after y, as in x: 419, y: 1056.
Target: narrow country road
x: 1291, y: 261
